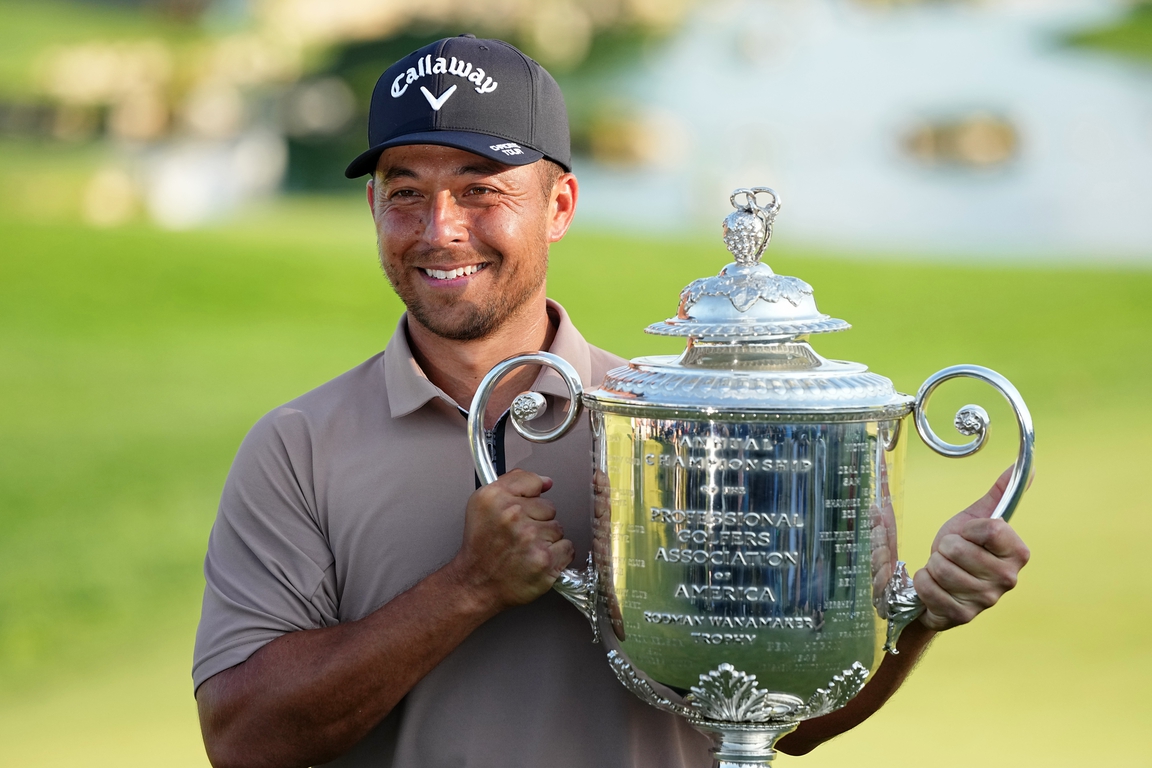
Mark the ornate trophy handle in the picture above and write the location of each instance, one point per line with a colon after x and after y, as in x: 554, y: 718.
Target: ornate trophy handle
x: 578, y: 587
x: 903, y: 604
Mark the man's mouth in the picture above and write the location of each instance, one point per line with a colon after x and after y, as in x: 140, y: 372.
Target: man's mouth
x: 452, y: 274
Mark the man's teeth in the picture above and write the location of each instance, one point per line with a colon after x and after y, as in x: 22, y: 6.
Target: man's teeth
x: 450, y: 274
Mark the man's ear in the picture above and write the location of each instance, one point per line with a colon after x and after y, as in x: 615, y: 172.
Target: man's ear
x: 371, y: 190
x: 562, y: 206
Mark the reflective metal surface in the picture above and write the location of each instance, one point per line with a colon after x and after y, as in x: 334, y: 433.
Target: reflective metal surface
x: 973, y: 420
x: 747, y: 558
x: 524, y: 408
x: 745, y: 570
x: 750, y: 379
x: 754, y: 543
x: 747, y: 300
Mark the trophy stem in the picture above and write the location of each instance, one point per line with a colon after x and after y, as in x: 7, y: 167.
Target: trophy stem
x: 744, y: 746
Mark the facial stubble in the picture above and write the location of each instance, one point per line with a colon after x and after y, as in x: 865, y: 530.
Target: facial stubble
x: 479, y: 319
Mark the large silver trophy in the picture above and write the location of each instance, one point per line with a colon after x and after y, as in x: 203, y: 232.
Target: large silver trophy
x: 745, y: 572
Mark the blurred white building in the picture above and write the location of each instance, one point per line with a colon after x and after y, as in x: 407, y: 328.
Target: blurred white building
x: 928, y: 127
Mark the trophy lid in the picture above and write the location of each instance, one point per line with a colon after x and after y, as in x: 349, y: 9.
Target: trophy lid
x: 747, y: 301
x: 747, y: 351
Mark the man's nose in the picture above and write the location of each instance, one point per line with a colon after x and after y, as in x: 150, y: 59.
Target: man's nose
x: 445, y: 223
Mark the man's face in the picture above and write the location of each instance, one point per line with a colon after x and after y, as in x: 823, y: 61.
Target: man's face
x: 463, y: 239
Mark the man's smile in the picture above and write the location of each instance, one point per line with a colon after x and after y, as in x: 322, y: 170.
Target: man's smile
x: 452, y: 274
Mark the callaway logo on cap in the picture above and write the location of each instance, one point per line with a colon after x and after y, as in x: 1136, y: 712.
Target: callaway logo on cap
x: 483, y: 96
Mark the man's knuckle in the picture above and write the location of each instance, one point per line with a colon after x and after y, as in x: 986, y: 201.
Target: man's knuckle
x: 937, y: 566
x: 922, y: 580
x: 988, y: 598
x: 543, y: 512
x: 1000, y: 532
x: 1023, y: 554
x: 539, y: 561
x: 950, y: 545
x: 1007, y: 579
x: 493, y: 496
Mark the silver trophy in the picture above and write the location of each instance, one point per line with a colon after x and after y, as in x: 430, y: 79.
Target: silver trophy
x: 748, y: 492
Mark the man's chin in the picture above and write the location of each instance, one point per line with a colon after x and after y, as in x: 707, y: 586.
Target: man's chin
x: 471, y: 327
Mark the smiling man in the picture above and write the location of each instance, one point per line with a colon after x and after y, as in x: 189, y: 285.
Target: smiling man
x: 366, y: 604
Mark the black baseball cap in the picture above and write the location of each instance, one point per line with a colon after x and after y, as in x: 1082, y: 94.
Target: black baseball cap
x: 482, y: 96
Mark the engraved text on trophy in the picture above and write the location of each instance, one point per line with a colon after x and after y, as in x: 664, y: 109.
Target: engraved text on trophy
x: 750, y: 536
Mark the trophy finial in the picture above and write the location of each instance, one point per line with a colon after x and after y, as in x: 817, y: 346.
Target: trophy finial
x: 748, y: 229
x: 747, y: 301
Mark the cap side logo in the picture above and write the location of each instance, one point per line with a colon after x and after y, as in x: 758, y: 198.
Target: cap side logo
x: 434, y: 102
x: 426, y: 66
x: 510, y: 148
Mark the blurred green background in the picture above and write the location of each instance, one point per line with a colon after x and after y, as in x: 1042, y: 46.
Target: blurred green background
x: 133, y: 359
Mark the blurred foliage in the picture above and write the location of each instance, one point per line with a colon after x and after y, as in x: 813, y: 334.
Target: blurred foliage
x: 1131, y: 36
x: 200, y: 43
x: 41, y: 179
x: 32, y: 27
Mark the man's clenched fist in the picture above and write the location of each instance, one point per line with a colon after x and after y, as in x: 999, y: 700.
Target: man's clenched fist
x: 514, y: 549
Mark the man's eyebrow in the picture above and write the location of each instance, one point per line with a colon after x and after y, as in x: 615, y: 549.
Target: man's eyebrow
x: 481, y: 168
x: 399, y: 172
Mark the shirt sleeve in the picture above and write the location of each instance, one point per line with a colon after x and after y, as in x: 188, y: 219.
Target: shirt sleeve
x: 269, y: 568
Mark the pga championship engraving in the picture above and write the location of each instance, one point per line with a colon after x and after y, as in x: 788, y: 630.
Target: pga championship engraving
x: 777, y: 558
x: 746, y: 570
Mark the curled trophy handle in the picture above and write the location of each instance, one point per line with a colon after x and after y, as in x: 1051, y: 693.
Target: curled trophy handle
x: 903, y: 604
x: 973, y: 420
x: 525, y: 407
x: 578, y: 587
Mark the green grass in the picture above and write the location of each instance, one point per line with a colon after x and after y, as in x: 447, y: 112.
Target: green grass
x: 132, y: 362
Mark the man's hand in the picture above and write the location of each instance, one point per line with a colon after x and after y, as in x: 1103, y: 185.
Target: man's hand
x: 514, y: 549
x: 308, y: 696
x: 974, y: 561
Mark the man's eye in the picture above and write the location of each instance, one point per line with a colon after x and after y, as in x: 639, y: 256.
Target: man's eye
x: 401, y: 193
x: 481, y: 191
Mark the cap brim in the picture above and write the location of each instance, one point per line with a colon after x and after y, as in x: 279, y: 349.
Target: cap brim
x: 477, y: 143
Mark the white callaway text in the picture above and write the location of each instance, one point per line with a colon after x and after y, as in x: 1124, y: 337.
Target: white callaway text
x: 426, y: 65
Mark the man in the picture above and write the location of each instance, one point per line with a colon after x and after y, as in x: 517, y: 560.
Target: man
x: 365, y: 603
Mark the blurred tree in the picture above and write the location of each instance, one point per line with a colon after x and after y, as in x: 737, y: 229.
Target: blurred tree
x: 140, y: 77
x: 1130, y: 37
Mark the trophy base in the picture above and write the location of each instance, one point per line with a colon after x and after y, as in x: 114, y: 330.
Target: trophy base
x: 746, y: 721
x: 744, y: 746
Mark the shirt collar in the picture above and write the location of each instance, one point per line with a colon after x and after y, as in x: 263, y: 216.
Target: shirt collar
x: 409, y: 389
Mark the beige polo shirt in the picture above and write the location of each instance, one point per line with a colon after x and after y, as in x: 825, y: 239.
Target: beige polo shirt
x: 347, y: 496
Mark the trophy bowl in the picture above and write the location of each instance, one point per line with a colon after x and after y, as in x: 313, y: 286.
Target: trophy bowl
x: 745, y: 571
